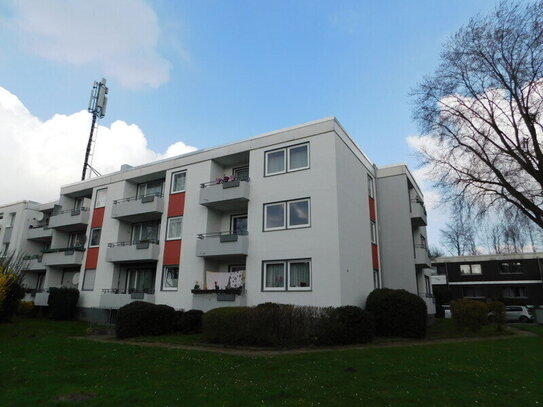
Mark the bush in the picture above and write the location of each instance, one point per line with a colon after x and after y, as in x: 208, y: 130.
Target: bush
x: 469, y: 314
x: 11, y: 290
x: 346, y: 325
x: 397, y: 313
x: 189, y: 322
x: 287, y: 325
x: 62, y: 303
x: 497, y: 314
x: 141, y: 318
x: 27, y: 309
x: 443, y: 296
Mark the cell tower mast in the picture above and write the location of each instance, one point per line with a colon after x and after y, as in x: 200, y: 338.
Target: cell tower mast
x: 97, y: 107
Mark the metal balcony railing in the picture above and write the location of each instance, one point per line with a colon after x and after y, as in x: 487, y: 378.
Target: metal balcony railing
x: 224, y: 180
x: 64, y: 249
x: 133, y: 243
x: 202, y: 236
x: 142, y: 197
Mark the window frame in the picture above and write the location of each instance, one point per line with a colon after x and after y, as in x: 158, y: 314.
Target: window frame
x: 371, y: 187
x: 511, y: 267
x: 92, y: 231
x: 85, y: 279
x: 513, y: 287
x: 373, y: 232
x: 269, y: 229
x: 471, y: 273
x: 286, y: 275
x: 96, y: 201
x: 168, y: 226
x: 162, y: 285
x: 146, y: 184
x: 286, y: 159
x: 480, y: 289
x: 286, y: 215
x: 288, y: 203
x: 172, y: 183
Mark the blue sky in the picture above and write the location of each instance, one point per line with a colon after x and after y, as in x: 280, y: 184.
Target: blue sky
x: 221, y: 71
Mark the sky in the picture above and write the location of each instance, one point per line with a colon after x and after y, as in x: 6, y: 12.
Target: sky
x: 186, y: 75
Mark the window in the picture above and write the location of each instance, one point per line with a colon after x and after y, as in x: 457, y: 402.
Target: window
x: 371, y: 191
x: 288, y: 275
x: 100, y: 201
x: 12, y: 219
x: 511, y: 268
x: 242, y: 173
x: 239, y: 224
x: 150, y: 188
x: 178, y: 182
x: 88, y: 280
x: 78, y: 203
x: 473, y: 292
x: 470, y: 269
x: 287, y: 215
x: 376, y: 282
x: 1, y: 215
x: 287, y: 159
x: 95, y: 237
x: 515, y: 292
x: 170, y: 278
x: 427, y: 284
x: 373, y: 232
x: 76, y: 239
x: 145, y: 232
x: 175, y: 227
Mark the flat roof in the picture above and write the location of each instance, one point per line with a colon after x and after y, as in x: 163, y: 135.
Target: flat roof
x: 487, y: 257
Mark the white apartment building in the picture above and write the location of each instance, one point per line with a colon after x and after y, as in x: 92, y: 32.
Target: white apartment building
x: 298, y: 216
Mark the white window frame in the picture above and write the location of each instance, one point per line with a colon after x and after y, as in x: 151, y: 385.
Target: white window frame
x: 85, y: 276
x: 308, y: 288
x: 285, y: 278
x: 371, y: 187
x: 174, y: 174
x: 471, y: 273
x: 306, y: 145
x: 307, y: 225
x: 168, y: 228
x: 97, y: 203
x: 144, y: 185
x: 284, y: 170
x: 90, y: 237
x: 266, y: 228
x: 373, y: 232
x: 164, y: 269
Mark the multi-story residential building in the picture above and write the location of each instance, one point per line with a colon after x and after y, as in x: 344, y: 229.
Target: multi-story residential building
x: 514, y: 278
x: 297, y: 216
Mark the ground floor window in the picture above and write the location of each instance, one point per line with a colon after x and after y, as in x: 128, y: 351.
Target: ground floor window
x: 88, y: 280
x: 170, y: 278
x: 287, y: 275
x: 515, y: 292
x: 376, y: 283
x: 474, y: 292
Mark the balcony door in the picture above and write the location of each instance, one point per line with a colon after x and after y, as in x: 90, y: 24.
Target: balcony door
x: 147, y: 231
x: 238, y: 224
x: 150, y: 188
x: 140, y: 280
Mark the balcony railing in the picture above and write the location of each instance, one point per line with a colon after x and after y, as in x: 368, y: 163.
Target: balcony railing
x: 218, y: 244
x: 72, y: 212
x: 39, y: 232
x: 225, y: 236
x: 224, y: 180
x: 133, y: 251
x: 127, y: 291
x: 70, y: 220
x: 64, y: 249
x: 145, y: 242
x: 140, y: 208
x: 225, y: 194
x: 144, y: 198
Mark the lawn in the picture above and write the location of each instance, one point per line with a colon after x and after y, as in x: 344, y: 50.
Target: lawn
x: 39, y: 361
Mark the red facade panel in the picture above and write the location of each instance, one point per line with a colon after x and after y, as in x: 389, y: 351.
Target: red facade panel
x: 176, y: 204
x: 172, y: 252
x: 92, y: 258
x: 375, y: 256
x: 97, y: 217
x: 372, y: 208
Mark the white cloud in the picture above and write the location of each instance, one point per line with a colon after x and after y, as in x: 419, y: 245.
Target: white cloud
x: 119, y: 36
x: 38, y: 157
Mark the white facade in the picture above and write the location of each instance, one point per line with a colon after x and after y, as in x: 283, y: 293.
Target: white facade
x: 307, y: 238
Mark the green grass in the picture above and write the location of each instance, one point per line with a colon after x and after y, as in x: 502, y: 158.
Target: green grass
x: 536, y: 329
x: 193, y: 339
x: 444, y: 328
x: 39, y: 361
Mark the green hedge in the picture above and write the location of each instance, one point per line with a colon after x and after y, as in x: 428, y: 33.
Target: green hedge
x: 469, y: 314
x: 287, y: 325
x: 188, y: 322
x: 397, y: 313
x: 62, y: 303
x: 141, y: 318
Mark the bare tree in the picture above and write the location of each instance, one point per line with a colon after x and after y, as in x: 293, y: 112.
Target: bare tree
x: 482, y: 113
x: 459, y: 236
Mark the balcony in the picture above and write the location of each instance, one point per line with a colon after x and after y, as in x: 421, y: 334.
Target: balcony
x: 138, y: 208
x: 222, y: 244
x: 418, y: 213
x: 33, y: 263
x: 7, y: 235
x: 41, y: 299
x: 117, y: 298
x: 42, y: 233
x: 421, y: 256
x: 127, y: 252
x: 228, y: 194
x: 70, y: 220
x: 64, y: 257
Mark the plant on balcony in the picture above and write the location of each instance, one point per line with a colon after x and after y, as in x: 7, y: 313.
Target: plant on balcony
x: 11, y: 290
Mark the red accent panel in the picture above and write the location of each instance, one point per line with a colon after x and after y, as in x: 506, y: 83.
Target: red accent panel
x: 97, y: 217
x: 372, y: 208
x: 176, y: 204
x: 375, y: 256
x: 92, y: 258
x: 172, y: 252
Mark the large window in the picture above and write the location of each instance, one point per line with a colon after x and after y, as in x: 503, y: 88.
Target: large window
x: 88, y: 280
x: 76, y: 239
x: 170, y: 278
x: 511, y: 268
x: 178, y: 182
x: 515, y: 292
x: 175, y: 228
x: 287, y: 159
x: 150, y: 188
x: 287, y: 215
x: 287, y: 275
x: 100, y: 200
x: 94, y: 240
x: 474, y: 292
x: 145, y: 232
x: 470, y: 269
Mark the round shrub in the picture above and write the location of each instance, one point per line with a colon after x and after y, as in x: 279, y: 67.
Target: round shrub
x: 496, y: 311
x: 141, y: 318
x: 345, y: 325
x: 27, y: 309
x: 397, y: 313
x: 62, y: 303
x: 469, y: 314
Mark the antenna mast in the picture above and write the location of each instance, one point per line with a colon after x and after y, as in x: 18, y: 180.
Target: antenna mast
x: 97, y: 107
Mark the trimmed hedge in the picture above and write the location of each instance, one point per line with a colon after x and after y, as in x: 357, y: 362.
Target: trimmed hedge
x: 287, y: 325
x: 497, y: 314
x: 141, y: 318
x: 469, y: 314
x: 62, y: 303
x: 189, y: 322
x: 397, y: 313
